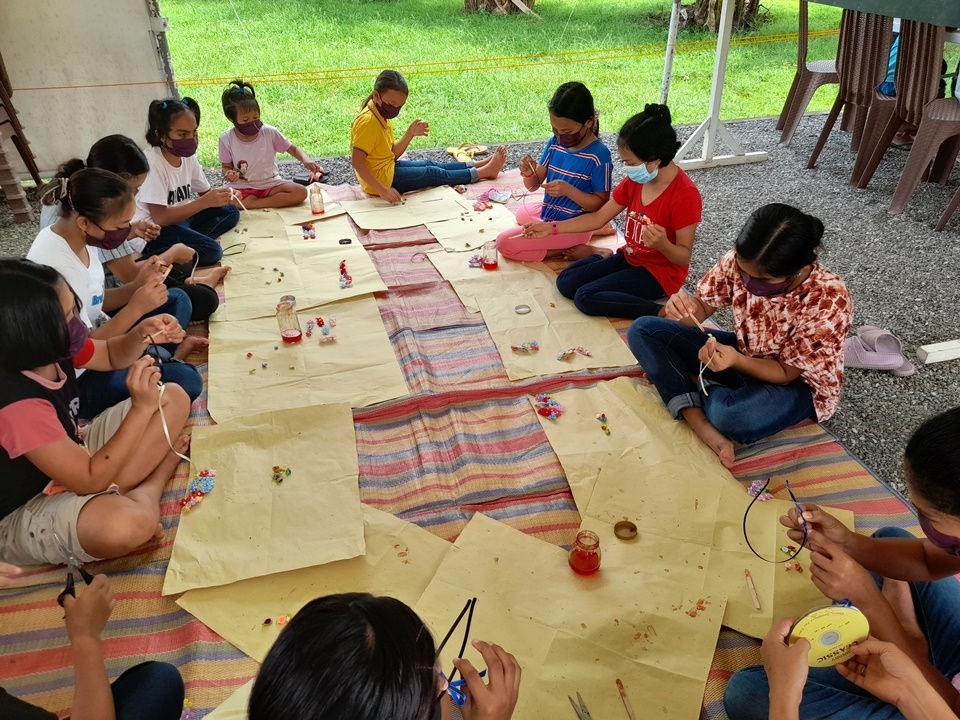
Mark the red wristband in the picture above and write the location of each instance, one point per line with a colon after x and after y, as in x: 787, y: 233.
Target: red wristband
x: 555, y: 231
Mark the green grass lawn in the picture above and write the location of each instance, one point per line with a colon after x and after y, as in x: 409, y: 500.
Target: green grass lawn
x: 351, y: 40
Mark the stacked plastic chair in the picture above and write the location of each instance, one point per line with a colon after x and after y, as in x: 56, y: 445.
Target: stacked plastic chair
x: 809, y: 77
x: 10, y: 128
x: 862, y: 61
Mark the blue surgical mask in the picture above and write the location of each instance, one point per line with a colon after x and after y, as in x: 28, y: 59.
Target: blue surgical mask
x: 640, y: 174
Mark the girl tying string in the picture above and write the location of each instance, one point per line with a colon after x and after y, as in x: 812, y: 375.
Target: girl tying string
x: 375, y: 154
x: 574, y: 171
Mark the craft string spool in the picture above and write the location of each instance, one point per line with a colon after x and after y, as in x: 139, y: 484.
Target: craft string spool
x: 746, y: 536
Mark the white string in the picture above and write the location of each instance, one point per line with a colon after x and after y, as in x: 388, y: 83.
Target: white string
x: 250, y: 43
x: 703, y: 367
x: 163, y: 422
x: 234, y: 195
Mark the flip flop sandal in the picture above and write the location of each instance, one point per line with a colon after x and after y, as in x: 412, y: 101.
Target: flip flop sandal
x: 855, y: 355
x: 877, y: 339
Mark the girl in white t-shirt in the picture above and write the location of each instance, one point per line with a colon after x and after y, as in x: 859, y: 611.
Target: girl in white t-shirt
x: 96, y: 207
x: 175, y: 175
x: 248, y: 153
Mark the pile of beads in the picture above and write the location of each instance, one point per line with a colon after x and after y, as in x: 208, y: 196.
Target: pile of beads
x: 602, y: 417
x: 476, y: 261
x: 755, y: 487
x: 188, y: 713
x: 571, y: 351
x: 280, y: 474
x: 793, y: 566
x: 460, y: 188
x: 324, y: 326
x: 548, y: 407
x: 345, y: 279
x: 309, y: 233
x: 310, y: 326
x: 788, y: 549
x: 200, y: 487
x: 527, y: 347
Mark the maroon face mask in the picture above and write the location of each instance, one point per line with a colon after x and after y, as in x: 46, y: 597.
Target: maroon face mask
x: 947, y: 543
x: 387, y: 111
x: 111, y: 240
x: 249, y: 128
x: 78, y: 335
x: 183, y: 147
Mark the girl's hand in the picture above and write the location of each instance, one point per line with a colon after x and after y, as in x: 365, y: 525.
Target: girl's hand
x: 218, y: 197
x: 822, y: 527
x: 87, y: 615
x: 717, y: 356
x: 148, y: 270
x: 528, y: 167
x: 495, y: 699
x: 151, y: 295
x: 558, y: 188
x: 418, y: 128
x: 161, y: 329
x: 316, y: 172
x: 883, y: 670
x: 537, y: 230
x: 7, y: 573
x: 786, y: 665
x: 680, y: 306
x: 146, y: 229
x: 231, y: 175
x: 654, y: 236
x: 142, y: 380
x: 391, y: 195
x: 840, y: 577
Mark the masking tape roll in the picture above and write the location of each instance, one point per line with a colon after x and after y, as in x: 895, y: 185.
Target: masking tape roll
x: 832, y: 631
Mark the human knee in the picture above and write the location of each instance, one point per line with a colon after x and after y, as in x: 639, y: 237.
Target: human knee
x: 298, y: 193
x: 230, y: 212
x: 176, y: 400
x: 892, y: 532
x: 747, y: 694
x: 508, y: 245
x: 567, y: 284
x: 210, y: 255
x: 128, y: 529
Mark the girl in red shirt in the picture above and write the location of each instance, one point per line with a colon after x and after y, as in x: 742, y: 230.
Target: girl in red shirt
x: 784, y: 361
x: 663, y: 210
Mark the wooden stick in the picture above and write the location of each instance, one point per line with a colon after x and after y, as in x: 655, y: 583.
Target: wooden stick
x: 626, y: 700
x: 167, y: 271
x: 752, y: 588
x: 697, y: 322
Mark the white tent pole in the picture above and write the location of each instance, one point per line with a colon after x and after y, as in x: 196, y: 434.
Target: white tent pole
x: 712, y: 129
x: 671, y: 48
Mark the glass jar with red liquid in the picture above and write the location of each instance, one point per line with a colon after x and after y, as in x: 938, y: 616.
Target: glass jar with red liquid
x: 287, y: 320
x: 585, y: 553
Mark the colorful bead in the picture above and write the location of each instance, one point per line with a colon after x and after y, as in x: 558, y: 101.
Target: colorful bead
x: 199, y: 488
x: 527, y: 347
x: 280, y: 474
x: 547, y: 406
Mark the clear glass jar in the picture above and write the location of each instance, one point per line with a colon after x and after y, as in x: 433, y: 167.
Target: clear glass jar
x: 316, y: 200
x: 585, y: 553
x: 490, y: 257
x: 287, y: 320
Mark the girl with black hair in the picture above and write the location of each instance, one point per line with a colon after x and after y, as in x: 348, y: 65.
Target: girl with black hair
x: 175, y: 174
x: 573, y: 170
x: 663, y: 210
x: 98, y: 492
x: 121, y: 155
x: 907, y: 589
x: 248, y: 153
x: 95, y: 211
x: 783, y: 363
x: 375, y: 153
x: 369, y: 658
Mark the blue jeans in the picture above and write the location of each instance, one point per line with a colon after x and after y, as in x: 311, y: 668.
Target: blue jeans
x: 199, y: 232
x: 99, y: 390
x: 611, y: 287
x: 741, y: 407
x: 417, y: 174
x: 148, y: 691
x: 827, y: 696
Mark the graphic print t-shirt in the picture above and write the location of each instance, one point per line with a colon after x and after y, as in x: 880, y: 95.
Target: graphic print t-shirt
x: 169, y: 185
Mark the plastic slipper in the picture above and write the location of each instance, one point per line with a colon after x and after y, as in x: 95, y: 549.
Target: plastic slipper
x: 465, y: 152
x: 881, y: 340
x: 855, y: 355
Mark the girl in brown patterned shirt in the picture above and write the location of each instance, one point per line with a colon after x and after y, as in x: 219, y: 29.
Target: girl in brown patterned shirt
x: 784, y: 361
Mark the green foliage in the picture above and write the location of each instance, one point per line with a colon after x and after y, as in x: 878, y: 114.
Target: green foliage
x: 354, y: 39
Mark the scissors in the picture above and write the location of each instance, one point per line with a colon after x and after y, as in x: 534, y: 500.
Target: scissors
x: 581, y: 711
x: 72, y: 564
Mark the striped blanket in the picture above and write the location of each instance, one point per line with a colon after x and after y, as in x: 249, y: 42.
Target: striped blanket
x: 465, y: 439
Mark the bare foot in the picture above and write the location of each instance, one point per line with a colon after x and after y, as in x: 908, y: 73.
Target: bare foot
x: 711, y: 437
x: 212, y: 277
x: 492, y: 168
x: 897, y: 594
x: 479, y: 164
x: 158, y: 535
x: 578, y: 252
x: 189, y: 345
x: 607, y: 229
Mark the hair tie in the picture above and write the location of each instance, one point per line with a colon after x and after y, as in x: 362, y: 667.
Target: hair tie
x: 163, y: 104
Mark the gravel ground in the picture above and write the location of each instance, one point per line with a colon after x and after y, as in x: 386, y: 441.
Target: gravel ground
x: 895, y: 267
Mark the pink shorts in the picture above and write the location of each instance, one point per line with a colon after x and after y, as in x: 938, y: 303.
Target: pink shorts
x: 256, y: 192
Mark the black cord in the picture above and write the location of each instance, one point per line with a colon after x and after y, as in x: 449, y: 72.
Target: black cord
x: 746, y: 537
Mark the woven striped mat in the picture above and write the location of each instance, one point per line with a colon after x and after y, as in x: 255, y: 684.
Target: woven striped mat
x: 465, y: 439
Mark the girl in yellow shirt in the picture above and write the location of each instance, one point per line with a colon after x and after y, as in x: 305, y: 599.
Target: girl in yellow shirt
x: 375, y: 150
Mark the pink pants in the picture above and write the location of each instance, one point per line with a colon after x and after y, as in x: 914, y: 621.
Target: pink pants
x: 535, y: 249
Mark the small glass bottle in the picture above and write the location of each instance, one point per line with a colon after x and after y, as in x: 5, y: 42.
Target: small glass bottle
x: 287, y: 320
x: 316, y: 200
x: 490, y: 257
x: 585, y: 553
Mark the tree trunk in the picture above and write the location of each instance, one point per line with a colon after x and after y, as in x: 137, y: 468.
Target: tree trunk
x: 705, y: 14
x: 496, y: 7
